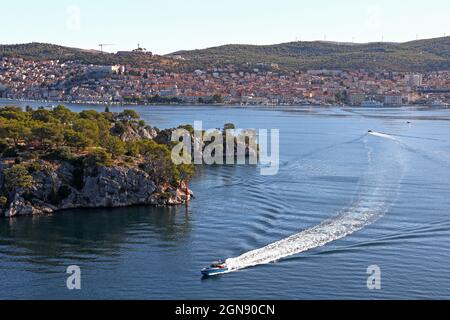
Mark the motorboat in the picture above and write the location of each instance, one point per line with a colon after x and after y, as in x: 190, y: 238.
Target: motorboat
x: 216, y: 268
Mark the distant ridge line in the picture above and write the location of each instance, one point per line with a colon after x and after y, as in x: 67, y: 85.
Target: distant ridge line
x: 418, y: 56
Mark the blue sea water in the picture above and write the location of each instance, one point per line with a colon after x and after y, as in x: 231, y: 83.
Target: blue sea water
x: 391, y: 193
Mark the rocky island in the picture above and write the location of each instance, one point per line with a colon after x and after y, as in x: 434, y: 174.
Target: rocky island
x: 53, y: 160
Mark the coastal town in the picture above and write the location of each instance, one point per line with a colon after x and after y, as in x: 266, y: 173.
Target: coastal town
x: 262, y: 84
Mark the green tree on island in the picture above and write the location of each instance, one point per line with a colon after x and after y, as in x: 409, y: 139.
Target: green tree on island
x: 89, y: 137
x: 18, y: 177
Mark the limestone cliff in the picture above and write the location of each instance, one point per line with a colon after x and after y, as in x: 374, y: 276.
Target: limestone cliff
x: 60, y: 186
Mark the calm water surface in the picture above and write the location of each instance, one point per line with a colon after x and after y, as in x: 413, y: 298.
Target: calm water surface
x: 329, y: 167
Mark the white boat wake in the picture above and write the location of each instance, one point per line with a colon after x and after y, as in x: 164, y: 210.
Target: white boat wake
x: 378, y: 190
x: 382, y: 135
x: 439, y: 156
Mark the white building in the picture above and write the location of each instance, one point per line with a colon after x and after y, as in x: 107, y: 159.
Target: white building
x: 170, y: 92
x: 413, y: 80
x: 104, y: 70
x: 393, y: 100
x: 356, y: 99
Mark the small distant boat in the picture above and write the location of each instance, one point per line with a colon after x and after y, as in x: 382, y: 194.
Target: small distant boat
x: 372, y: 104
x: 216, y: 268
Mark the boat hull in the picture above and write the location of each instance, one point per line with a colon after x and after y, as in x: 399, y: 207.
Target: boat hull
x: 214, y: 272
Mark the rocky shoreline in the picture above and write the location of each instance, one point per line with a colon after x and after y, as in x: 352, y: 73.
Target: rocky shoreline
x: 62, y: 186
x: 54, y: 160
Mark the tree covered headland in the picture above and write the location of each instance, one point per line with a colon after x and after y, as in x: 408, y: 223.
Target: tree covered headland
x: 88, y: 138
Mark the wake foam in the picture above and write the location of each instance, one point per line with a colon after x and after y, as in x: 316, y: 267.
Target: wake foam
x: 438, y: 156
x: 382, y: 135
x: 378, y: 190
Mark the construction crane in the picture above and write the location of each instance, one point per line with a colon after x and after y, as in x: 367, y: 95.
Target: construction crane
x: 101, y: 45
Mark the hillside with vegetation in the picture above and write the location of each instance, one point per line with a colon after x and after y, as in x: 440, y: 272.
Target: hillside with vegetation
x: 43, y: 51
x: 422, y: 55
x: 53, y: 160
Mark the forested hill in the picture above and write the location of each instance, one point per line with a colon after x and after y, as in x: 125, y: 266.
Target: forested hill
x: 44, y: 51
x: 422, y: 55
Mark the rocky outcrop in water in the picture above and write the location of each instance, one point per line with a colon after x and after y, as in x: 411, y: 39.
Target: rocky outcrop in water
x: 62, y: 186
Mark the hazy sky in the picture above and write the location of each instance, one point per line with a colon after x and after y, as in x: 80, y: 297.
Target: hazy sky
x: 167, y: 26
